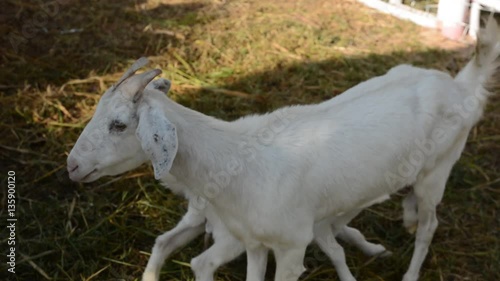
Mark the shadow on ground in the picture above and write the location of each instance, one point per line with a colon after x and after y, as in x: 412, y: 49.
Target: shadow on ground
x: 53, y: 42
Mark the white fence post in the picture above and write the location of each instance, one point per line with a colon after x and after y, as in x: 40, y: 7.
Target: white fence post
x: 452, y: 13
x: 475, y: 13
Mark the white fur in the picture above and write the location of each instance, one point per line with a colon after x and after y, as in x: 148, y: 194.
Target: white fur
x: 278, y: 181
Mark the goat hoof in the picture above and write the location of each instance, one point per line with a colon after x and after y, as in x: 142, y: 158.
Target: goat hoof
x: 410, y: 277
x: 149, y: 276
x: 412, y: 228
x: 385, y: 254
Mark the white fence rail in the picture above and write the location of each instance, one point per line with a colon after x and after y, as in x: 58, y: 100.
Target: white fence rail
x: 454, y: 17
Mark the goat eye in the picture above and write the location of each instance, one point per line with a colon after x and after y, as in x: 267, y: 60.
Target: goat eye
x: 117, y: 126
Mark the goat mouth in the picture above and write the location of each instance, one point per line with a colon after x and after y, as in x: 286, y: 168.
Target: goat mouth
x: 89, y: 174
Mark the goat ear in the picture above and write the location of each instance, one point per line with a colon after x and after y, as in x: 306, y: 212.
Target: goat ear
x: 161, y: 84
x: 158, y: 138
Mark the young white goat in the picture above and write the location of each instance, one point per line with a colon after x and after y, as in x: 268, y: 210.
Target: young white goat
x: 105, y: 134
x: 278, y: 180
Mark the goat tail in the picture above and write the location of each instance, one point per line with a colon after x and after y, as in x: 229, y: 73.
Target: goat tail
x: 480, y: 75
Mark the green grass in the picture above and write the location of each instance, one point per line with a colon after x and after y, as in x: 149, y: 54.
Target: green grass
x: 226, y: 59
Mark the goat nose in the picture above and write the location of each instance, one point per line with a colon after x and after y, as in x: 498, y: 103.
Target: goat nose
x: 72, y: 169
x: 72, y: 164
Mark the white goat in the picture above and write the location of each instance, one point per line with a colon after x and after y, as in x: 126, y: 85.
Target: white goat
x: 278, y: 180
x: 103, y: 134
